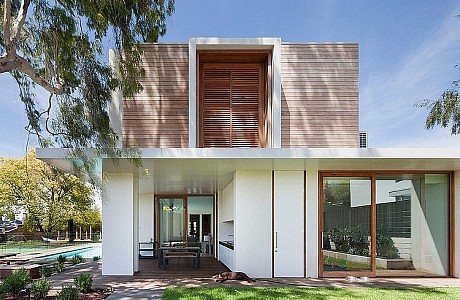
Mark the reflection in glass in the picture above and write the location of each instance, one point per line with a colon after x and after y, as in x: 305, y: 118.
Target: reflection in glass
x: 412, y: 224
x: 171, y: 221
x: 346, y: 223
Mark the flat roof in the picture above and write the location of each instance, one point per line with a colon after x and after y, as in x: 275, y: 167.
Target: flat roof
x: 205, y: 170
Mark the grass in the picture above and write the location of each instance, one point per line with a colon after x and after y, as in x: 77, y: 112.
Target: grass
x: 240, y: 293
x: 25, y: 246
x: 345, y: 264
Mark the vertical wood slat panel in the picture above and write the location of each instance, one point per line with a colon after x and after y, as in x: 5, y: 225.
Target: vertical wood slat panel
x: 157, y: 117
x: 319, y: 95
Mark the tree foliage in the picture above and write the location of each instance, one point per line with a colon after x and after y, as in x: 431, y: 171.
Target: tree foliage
x: 444, y: 111
x: 48, y: 196
x: 61, y: 46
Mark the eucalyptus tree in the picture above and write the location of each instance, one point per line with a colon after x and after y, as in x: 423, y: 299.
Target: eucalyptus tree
x: 61, y: 46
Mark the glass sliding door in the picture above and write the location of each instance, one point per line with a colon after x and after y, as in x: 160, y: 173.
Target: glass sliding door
x: 171, y: 221
x: 346, y: 227
x: 386, y: 224
x: 412, y: 225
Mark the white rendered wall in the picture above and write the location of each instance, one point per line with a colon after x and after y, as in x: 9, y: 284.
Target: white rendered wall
x: 145, y: 217
x: 118, y: 224
x: 116, y: 105
x: 312, y: 224
x: 253, y: 223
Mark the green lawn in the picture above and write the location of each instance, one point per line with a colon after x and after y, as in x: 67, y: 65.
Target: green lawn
x: 240, y: 293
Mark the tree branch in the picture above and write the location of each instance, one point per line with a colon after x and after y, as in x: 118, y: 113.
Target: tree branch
x: 7, y: 25
x: 20, y: 21
x: 18, y: 63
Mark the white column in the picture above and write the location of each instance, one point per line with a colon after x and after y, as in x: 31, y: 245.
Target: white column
x: 118, y: 224
x: 312, y: 224
x: 136, y: 224
x: 253, y: 223
x: 456, y: 200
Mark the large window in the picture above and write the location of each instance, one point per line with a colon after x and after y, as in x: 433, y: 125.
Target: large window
x: 385, y: 225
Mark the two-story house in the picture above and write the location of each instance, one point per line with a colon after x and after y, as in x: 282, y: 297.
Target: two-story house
x: 251, y: 146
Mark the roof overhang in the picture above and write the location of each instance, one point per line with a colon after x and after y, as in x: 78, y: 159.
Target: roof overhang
x: 205, y: 170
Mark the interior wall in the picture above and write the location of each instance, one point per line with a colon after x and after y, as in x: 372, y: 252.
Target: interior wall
x: 253, y: 223
x: 118, y: 224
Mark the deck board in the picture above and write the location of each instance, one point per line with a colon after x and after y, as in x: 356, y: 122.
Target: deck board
x: 180, y: 268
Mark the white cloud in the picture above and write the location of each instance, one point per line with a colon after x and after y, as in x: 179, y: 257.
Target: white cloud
x: 387, y: 100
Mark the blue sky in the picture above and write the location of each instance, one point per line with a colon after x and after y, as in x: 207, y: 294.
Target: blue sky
x: 408, y: 50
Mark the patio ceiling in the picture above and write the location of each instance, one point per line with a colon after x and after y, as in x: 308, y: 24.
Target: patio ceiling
x: 204, y: 171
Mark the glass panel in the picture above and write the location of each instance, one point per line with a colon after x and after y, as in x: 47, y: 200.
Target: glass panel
x: 171, y: 221
x: 199, y: 208
x: 412, y: 224
x: 346, y: 226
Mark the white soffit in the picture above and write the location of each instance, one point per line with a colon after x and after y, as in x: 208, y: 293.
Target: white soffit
x: 205, y: 170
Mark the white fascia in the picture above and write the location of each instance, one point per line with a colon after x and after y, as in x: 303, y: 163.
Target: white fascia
x: 212, y: 43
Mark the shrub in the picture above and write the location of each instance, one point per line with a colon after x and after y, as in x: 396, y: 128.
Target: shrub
x: 96, y: 258
x: 67, y: 293
x: 61, y: 259
x: 59, y: 267
x: 40, y: 288
x: 46, y: 271
x: 83, y: 282
x: 350, y: 240
x: 385, y: 245
x: 76, y: 259
x: 15, y: 282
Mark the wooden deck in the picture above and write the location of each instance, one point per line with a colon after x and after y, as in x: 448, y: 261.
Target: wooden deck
x: 180, y: 268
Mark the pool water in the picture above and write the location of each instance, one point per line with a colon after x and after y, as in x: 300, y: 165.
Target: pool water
x: 85, y: 253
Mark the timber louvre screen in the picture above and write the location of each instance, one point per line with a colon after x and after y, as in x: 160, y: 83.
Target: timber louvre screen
x: 232, y: 104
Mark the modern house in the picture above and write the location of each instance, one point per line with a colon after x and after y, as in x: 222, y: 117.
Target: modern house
x: 254, y: 145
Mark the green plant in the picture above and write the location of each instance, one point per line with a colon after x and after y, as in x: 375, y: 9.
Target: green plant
x: 40, y: 288
x: 61, y: 259
x: 67, y: 293
x: 96, y: 258
x: 59, y: 267
x: 76, y: 259
x: 46, y: 271
x: 385, y: 245
x: 15, y: 282
x: 83, y: 282
x: 350, y: 240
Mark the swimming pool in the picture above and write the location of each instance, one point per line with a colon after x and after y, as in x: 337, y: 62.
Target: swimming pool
x: 89, y: 252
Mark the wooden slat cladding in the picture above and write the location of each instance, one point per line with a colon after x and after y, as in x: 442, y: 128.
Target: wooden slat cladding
x: 231, y: 104
x: 319, y: 95
x: 157, y: 117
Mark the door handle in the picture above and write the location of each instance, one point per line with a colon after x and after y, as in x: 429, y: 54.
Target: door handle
x: 276, y: 239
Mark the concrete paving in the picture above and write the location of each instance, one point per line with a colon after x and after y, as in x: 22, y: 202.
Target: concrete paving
x: 132, y: 287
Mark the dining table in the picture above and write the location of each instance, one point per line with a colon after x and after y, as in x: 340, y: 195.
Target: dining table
x: 177, y: 251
